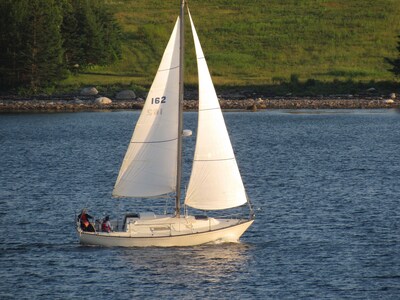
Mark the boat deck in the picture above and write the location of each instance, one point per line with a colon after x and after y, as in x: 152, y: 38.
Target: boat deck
x: 147, y: 225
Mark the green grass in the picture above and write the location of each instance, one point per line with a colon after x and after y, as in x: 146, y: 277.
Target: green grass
x: 259, y: 42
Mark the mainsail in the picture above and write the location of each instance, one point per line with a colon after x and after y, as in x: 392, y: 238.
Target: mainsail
x: 215, y: 182
x: 150, y: 165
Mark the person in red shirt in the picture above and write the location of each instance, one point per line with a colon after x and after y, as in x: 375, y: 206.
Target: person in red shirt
x: 106, y: 225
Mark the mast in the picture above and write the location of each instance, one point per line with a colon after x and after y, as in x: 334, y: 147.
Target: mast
x: 180, y: 122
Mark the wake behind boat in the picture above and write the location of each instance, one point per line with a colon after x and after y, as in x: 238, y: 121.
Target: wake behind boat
x: 152, y: 166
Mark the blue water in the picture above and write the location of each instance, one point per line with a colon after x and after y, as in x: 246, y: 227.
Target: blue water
x: 325, y: 185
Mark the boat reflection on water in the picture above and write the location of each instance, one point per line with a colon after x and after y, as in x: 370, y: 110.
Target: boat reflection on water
x: 187, y: 266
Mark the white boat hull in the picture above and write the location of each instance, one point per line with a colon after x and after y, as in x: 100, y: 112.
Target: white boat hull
x: 231, y: 232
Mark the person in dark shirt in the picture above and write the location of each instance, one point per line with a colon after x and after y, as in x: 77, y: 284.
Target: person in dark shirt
x: 83, y: 218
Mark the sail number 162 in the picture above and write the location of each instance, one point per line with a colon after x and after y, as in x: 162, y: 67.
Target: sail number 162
x: 158, y: 100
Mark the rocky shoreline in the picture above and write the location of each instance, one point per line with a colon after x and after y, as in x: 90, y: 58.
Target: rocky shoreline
x: 65, y: 104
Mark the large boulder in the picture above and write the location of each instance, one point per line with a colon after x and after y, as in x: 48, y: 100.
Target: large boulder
x: 102, y: 101
x: 126, y: 95
x: 89, y: 91
x: 78, y: 101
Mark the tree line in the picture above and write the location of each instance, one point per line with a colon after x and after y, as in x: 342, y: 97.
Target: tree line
x: 43, y: 41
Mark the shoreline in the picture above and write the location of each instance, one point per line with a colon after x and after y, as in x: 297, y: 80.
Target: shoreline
x: 63, y: 104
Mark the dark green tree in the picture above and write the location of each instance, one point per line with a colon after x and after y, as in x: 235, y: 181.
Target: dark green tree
x: 44, y: 53
x: 31, y: 45
x: 111, y: 34
x: 12, y: 46
x: 72, y: 36
x: 91, y: 34
x: 396, y: 62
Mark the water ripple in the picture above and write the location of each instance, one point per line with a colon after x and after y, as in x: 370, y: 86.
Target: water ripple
x: 325, y: 187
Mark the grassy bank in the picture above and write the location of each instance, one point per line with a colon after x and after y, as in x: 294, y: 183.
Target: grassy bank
x: 260, y: 43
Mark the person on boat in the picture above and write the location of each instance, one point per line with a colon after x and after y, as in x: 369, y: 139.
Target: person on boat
x: 106, y: 225
x: 83, y: 218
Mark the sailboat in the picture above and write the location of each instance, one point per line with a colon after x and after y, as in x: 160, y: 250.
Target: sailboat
x: 152, y: 166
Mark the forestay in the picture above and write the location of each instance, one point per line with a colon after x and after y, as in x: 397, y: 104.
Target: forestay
x: 150, y: 165
x: 215, y: 182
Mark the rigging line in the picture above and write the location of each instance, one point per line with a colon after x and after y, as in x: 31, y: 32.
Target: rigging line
x: 163, y: 70
x: 225, y: 159
x: 205, y: 109
x: 155, y: 142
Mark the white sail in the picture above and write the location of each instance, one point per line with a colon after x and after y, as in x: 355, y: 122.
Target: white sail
x: 150, y: 165
x: 215, y: 182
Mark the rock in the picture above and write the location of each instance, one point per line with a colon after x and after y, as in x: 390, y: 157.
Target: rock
x: 392, y: 96
x: 78, y: 101
x: 389, y: 101
x: 89, y: 91
x: 371, y: 90
x: 103, y: 101
x: 126, y: 95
